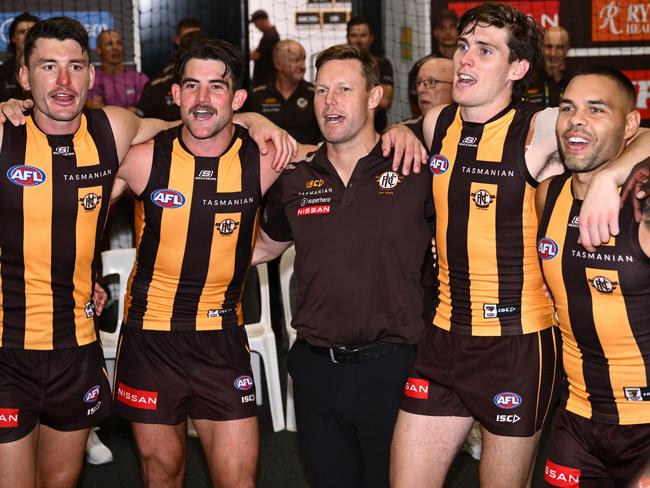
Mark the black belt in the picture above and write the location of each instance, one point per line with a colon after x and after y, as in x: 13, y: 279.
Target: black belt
x: 352, y: 354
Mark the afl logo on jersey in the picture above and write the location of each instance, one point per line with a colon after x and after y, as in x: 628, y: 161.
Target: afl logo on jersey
x: 547, y: 248
x: 438, y: 164
x: 243, y: 383
x: 92, y: 395
x: 25, y: 175
x: 227, y: 227
x: 167, y: 198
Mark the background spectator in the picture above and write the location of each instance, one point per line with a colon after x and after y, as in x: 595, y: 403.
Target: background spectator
x: 359, y: 34
x: 551, y: 79
x: 115, y: 83
x: 9, y: 86
x: 263, y: 54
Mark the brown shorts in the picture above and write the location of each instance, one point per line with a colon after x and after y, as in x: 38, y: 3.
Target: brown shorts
x: 587, y: 453
x: 65, y: 389
x: 163, y: 377
x: 507, y: 383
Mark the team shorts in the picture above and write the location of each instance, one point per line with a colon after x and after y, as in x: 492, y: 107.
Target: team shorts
x: 65, y: 389
x: 507, y: 383
x: 587, y: 453
x: 163, y: 377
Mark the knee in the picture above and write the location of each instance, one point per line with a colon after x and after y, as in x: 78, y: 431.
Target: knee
x: 162, y: 469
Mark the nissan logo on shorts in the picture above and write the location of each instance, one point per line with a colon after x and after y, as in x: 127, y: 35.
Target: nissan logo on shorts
x: 507, y: 400
x: 243, y: 383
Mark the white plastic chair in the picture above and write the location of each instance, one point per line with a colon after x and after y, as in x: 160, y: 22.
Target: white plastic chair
x: 286, y: 272
x: 262, y: 341
x: 120, y: 262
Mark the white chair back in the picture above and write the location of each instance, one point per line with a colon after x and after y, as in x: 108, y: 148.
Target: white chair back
x: 286, y: 273
x: 262, y: 341
x: 120, y: 262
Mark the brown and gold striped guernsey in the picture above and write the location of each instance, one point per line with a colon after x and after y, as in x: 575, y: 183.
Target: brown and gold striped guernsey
x: 603, y: 303
x: 54, y: 197
x: 196, y: 225
x: 490, y: 278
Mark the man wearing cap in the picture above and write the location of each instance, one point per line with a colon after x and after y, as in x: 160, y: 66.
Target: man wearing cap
x: 263, y: 55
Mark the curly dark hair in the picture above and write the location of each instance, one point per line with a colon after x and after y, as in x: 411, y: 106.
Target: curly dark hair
x: 525, y: 38
x: 214, y: 49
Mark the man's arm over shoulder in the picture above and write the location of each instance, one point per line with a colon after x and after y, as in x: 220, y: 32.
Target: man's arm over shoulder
x: 266, y: 249
x: 135, y: 170
x: 129, y: 129
x: 429, y: 124
x: 542, y: 157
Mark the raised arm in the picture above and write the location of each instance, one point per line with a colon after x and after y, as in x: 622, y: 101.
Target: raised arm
x: 262, y: 130
x: 600, y: 209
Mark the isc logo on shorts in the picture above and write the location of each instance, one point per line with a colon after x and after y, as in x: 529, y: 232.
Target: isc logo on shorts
x: 243, y: 383
x: 438, y: 164
x: 562, y: 476
x: 24, y: 175
x: 142, y: 399
x: 8, y: 418
x: 507, y: 400
x: 417, y: 388
x: 167, y: 198
x: 547, y: 248
x: 92, y: 395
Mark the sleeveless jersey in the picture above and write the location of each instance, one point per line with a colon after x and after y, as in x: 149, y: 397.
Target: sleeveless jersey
x: 486, y: 226
x: 54, y: 198
x: 195, y: 228
x: 603, y: 303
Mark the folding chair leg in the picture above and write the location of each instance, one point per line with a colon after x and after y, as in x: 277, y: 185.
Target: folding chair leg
x: 257, y: 377
x: 273, y: 383
x: 291, y: 412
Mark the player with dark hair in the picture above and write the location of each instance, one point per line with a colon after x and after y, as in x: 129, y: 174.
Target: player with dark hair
x: 491, y: 353
x: 601, y: 434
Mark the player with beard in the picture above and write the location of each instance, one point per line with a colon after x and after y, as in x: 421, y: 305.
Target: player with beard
x: 183, y: 350
x: 601, y: 434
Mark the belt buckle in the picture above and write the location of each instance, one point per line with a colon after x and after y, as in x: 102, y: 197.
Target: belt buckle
x: 332, y: 356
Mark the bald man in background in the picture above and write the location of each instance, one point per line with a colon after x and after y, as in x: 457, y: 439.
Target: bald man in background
x: 551, y: 79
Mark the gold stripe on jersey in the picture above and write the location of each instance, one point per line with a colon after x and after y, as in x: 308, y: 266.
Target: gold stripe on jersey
x: 440, y: 191
x: 624, y: 370
x: 82, y: 279
x: 171, y: 251
x: 482, y: 260
x: 221, y: 270
x: 37, y: 243
x: 230, y: 170
x: 530, y: 292
x: 493, y: 140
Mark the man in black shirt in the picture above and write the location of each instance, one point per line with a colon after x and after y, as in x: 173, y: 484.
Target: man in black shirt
x: 550, y: 80
x: 359, y: 34
x: 287, y: 99
x: 9, y: 86
x: 359, y: 311
x: 263, y: 54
